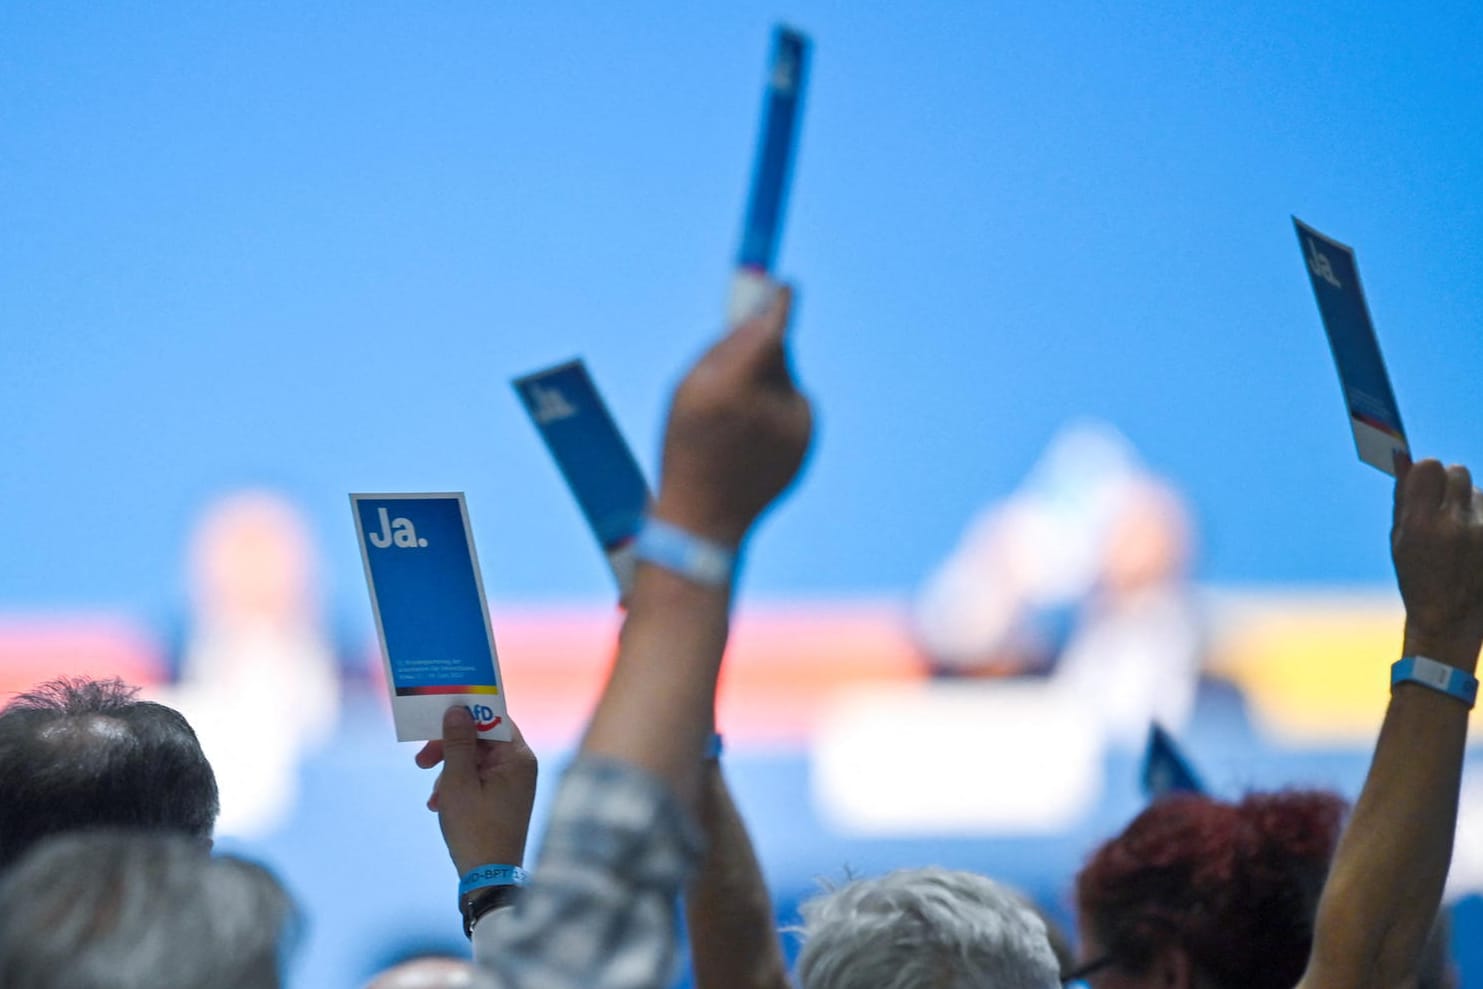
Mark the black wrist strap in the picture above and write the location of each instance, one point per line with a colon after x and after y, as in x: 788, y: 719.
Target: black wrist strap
x: 481, y: 901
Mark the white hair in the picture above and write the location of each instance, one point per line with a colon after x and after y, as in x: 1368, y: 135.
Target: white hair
x: 927, y: 928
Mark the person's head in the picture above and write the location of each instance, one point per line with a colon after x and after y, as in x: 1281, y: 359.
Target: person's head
x: 923, y: 929
x: 137, y: 910
x: 1199, y: 893
x: 85, y: 754
x: 433, y: 973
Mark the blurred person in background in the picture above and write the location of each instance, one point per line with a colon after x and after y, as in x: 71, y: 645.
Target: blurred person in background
x: 257, y: 644
x: 119, y: 911
x: 114, y: 910
x: 1082, y: 575
x: 78, y: 754
x: 1200, y: 894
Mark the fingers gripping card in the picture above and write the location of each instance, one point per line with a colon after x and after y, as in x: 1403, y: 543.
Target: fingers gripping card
x: 762, y: 227
x: 1373, y: 413
x: 427, y: 597
x: 597, y: 464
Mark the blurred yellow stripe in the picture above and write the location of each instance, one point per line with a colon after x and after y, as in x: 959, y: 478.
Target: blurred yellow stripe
x: 1315, y: 668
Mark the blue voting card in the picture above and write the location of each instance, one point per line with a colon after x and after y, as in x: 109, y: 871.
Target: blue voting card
x: 762, y: 226
x: 1165, y: 769
x: 427, y: 597
x: 593, y: 458
x: 782, y: 110
x: 1373, y: 413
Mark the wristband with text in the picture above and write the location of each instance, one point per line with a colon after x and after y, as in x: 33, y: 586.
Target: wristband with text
x: 1440, y: 677
x: 685, y: 554
x: 491, y: 875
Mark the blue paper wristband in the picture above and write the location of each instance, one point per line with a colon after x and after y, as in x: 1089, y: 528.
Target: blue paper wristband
x: 683, y: 553
x: 713, y: 746
x: 491, y: 875
x: 1440, y: 677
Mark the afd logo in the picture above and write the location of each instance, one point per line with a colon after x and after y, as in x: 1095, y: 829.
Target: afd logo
x: 1318, y: 263
x: 399, y: 532
x: 483, y: 715
x: 547, y: 405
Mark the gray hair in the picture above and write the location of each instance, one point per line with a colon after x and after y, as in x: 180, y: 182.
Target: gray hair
x: 923, y: 929
x: 434, y: 973
x: 115, y: 910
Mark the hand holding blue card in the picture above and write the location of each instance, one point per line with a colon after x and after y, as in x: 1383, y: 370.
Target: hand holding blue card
x: 762, y: 228
x: 597, y: 464
x: 1373, y: 413
x: 427, y: 597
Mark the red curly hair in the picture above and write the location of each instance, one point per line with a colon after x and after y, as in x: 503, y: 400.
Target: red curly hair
x: 1235, y: 885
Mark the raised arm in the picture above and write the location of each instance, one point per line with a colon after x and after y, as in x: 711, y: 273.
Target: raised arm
x: 737, y: 433
x: 733, y: 932
x: 1386, y: 881
x: 621, y: 843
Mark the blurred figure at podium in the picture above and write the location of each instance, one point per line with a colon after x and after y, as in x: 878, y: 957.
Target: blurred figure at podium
x: 258, y: 678
x: 1081, y: 575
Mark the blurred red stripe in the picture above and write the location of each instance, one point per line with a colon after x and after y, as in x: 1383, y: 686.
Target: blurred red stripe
x: 33, y: 650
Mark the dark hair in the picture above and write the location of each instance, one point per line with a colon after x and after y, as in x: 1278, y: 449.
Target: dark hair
x: 80, y: 753
x: 138, y: 910
x: 1235, y: 885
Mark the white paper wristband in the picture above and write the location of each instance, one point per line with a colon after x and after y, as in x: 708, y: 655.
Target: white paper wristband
x: 684, y: 553
x: 1440, y: 677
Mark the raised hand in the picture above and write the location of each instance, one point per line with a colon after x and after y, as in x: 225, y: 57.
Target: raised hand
x: 484, y: 795
x: 737, y: 432
x: 1385, y: 884
x: 1437, y: 544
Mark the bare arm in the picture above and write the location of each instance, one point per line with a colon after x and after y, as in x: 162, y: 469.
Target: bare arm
x: 737, y: 433
x: 1386, y: 882
x: 620, y: 844
x: 733, y: 934
x: 655, y: 712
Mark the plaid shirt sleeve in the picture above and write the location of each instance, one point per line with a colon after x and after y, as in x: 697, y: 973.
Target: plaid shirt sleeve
x: 600, y: 911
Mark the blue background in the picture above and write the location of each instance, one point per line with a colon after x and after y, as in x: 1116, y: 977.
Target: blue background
x: 309, y: 245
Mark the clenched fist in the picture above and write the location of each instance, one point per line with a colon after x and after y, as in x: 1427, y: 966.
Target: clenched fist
x: 737, y: 432
x: 1437, y: 544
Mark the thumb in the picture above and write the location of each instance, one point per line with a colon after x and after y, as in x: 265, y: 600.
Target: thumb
x: 460, y: 744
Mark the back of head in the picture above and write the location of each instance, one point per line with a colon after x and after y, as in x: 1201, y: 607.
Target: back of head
x: 1236, y: 886
x: 433, y: 973
x: 80, y: 754
x: 116, y: 910
x: 923, y: 929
